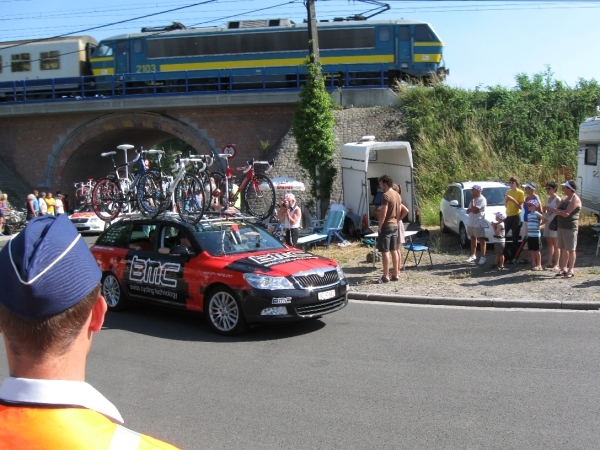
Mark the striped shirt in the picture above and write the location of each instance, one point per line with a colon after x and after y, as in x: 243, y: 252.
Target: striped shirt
x: 533, y: 224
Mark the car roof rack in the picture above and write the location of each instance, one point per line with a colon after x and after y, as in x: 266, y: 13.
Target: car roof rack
x: 209, y: 216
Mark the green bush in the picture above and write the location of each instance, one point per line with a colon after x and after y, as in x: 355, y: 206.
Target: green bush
x: 529, y: 131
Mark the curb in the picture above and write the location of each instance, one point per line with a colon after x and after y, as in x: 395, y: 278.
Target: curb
x: 476, y: 302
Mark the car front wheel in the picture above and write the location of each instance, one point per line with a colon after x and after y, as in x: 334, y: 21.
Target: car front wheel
x: 465, y: 242
x: 224, y: 312
x: 112, y: 293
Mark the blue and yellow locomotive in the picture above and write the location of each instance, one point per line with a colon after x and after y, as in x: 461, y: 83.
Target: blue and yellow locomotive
x: 351, y: 53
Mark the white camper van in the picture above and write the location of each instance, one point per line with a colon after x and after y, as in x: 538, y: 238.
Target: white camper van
x: 588, y: 170
x: 362, y: 163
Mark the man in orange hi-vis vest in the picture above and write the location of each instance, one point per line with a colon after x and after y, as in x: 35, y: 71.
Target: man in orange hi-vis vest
x: 47, y: 326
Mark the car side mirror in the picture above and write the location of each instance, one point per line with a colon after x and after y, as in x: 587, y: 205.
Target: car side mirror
x: 454, y: 203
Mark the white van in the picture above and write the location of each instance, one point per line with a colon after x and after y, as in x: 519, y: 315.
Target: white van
x: 363, y: 163
x: 588, y: 171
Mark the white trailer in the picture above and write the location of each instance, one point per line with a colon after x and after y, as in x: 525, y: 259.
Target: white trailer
x: 362, y: 164
x: 588, y: 172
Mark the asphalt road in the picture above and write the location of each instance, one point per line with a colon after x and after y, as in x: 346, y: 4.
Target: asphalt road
x: 372, y: 376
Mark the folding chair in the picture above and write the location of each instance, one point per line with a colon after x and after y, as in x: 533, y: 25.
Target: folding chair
x: 419, y: 244
x: 333, y: 224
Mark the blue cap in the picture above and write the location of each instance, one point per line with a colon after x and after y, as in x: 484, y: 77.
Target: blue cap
x: 532, y: 202
x: 46, y: 269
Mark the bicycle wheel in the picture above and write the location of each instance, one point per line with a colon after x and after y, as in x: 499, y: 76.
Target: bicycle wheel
x: 148, y: 193
x: 259, y: 196
x: 189, y: 198
x: 107, y: 199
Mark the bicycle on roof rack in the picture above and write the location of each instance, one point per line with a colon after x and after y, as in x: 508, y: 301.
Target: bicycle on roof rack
x: 184, y: 191
x: 83, y: 191
x: 118, y: 191
x: 256, y: 189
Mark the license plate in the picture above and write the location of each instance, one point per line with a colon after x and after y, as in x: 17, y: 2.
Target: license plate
x: 325, y: 295
x: 80, y: 225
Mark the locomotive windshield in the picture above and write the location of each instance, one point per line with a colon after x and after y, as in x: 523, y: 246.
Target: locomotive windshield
x: 103, y: 50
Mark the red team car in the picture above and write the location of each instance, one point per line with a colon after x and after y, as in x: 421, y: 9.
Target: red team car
x: 231, y: 270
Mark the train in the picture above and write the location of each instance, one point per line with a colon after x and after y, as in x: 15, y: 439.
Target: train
x: 265, y: 53
x: 29, y: 65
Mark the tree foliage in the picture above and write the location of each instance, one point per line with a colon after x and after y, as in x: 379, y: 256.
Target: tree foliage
x: 312, y: 127
x: 530, y: 130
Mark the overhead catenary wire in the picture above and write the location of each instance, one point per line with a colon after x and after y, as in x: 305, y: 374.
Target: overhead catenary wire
x: 324, y: 8
x: 485, y: 5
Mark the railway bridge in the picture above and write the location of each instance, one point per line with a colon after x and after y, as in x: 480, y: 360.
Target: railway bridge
x: 50, y: 146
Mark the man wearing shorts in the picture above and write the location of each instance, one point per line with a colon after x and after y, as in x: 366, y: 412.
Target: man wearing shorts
x: 476, y: 223
x: 387, y: 240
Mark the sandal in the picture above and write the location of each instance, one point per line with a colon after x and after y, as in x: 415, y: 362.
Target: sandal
x: 382, y: 280
x: 394, y: 278
x: 560, y: 273
x: 568, y: 275
x: 501, y: 268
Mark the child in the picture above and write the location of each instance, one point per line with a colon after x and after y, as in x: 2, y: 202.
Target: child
x: 534, y: 220
x: 499, y: 240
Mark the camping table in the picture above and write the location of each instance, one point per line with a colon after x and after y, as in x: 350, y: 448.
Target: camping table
x: 407, y: 235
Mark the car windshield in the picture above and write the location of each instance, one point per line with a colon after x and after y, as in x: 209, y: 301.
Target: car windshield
x: 493, y: 195
x: 230, y: 237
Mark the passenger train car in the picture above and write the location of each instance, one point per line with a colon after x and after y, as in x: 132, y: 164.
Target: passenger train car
x: 42, y: 60
x: 402, y: 48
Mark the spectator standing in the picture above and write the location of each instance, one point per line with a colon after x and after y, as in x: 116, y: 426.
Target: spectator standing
x: 47, y: 327
x: 513, y: 201
x: 50, y: 202
x: 534, y: 236
x: 499, y: 240
x: 59, y: 207
x: 36, y: 203
x: 568, y: 227
x: 550, y: 234
x: 3, y: 209
x: 476, y: 224
x: 401, y: 215
x: 387, y: 239
x: 530, y: 194
x: 289, y: 212
x: 30, y: 205
x: 42, y: 204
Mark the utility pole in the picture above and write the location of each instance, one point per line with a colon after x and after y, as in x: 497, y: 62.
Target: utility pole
x: 313, y: 38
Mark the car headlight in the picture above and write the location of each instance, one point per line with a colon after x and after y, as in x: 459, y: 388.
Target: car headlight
x: 266, y: 282
x: 340, y: 272
x: 94, y: 219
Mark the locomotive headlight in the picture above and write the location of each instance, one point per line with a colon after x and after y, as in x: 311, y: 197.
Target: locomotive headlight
x: 265, y: 282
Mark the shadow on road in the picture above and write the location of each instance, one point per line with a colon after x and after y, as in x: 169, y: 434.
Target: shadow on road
x: 187, y: 326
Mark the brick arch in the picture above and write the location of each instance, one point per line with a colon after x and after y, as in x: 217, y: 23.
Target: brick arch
x: 106, y: 132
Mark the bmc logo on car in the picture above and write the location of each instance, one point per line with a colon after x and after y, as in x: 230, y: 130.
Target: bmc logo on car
x: 148, y: 271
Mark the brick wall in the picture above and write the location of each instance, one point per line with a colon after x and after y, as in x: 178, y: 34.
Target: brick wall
x: 54, y: 151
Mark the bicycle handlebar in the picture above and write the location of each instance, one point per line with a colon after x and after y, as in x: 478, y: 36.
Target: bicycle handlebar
x: 193, y: 160
x: 108, y: 153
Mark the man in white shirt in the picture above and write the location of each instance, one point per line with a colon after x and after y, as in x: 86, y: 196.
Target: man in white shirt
x: 47, y: 326
x: 476, y: 223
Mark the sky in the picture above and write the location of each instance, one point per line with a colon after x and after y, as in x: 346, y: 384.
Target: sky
x: 486, y: 43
